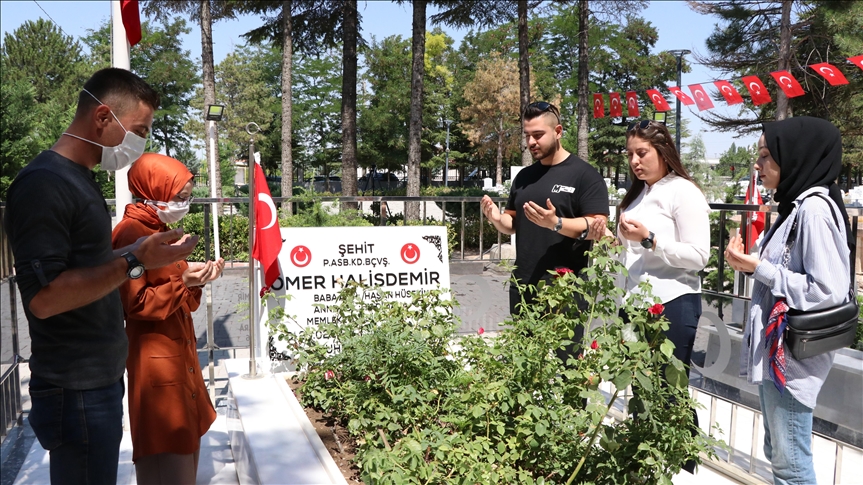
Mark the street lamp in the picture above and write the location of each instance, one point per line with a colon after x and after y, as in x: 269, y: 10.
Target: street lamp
x: 446, y: 163
x: 215, y: 112
x: 679, y: 53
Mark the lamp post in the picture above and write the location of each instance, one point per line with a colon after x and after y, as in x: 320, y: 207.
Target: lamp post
x: 446, y: 162
x: 679, y: 53
x: 215, y: 112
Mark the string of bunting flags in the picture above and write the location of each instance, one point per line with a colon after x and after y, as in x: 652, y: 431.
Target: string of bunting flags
x: 757, y: 91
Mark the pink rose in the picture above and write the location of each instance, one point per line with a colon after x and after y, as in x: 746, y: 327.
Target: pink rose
x: 480, y: 331
x: 329, y: 375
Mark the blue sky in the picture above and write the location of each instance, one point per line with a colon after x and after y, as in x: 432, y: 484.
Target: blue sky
x: 678, y: 26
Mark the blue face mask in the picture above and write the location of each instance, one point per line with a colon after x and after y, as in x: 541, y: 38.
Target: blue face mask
x: 122, y: 155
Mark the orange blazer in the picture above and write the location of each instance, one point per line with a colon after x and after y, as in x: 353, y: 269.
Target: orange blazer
x: 169, y: 406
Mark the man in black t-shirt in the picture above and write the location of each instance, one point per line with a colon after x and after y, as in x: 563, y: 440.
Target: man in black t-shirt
x: 552, y: 205
x: 59, y: 228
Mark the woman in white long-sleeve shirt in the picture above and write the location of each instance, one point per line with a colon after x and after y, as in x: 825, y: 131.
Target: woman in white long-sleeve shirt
x: 801, y: 158
x: 665, y: 228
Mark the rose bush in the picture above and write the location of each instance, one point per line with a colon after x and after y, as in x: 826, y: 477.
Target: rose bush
x: 427, y: 405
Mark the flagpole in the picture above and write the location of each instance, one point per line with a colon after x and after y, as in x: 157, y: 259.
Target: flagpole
x: 120, y: 57
x: 254, y: 298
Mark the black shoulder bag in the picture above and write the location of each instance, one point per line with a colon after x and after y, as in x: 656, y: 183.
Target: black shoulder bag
x: 816, y: 332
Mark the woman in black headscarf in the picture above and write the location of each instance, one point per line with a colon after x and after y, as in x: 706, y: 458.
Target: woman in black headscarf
x: 801, y: 158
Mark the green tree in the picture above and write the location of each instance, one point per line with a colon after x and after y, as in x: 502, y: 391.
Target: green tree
x: 317, y: 105
x: 18, y: 144
x: 160, y: 60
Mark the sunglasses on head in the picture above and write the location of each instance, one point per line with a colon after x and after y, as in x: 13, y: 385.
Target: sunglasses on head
x: 638, y: 124
x: 545, y: 107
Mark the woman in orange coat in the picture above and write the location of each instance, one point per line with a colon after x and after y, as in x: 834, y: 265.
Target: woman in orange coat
x: 169, y: 407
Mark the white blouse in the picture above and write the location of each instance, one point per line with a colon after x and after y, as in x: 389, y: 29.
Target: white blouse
x: 675, y: 210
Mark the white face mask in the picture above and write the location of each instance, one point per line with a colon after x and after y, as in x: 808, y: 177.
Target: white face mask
x: 169, y: 212
x: 122, y: 155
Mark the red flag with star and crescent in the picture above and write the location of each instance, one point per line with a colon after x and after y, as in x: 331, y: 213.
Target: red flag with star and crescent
x: 615, y: 108
x: 268, y: 236
x: 598, y: 106
x: 728, y: 92
x: 632, y: 104
x: 131, y: 20
x: 702, y: 100
x: 686, y: 100
x: 857, y: 61
x: 757, y: 90
x: 756, y: 219
x: 830, y: 72
x: 789, y: 85
x: 658, y: 100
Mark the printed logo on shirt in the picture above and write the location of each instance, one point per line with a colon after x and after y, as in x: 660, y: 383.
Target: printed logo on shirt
x: 562, y: 188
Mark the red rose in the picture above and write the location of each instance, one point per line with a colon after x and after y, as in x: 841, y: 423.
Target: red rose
x: 480, y: 331
x: 594, y: 345
x: 329, y: 375
x: 367, y: 378
x: 656, y: 309
x: 562, y: 271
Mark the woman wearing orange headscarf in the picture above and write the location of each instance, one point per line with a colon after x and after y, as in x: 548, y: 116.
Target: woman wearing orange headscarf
x: 169, y: 407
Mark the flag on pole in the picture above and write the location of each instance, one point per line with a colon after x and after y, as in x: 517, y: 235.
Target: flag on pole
x: 616, y: 109
x: 268, y: 237
x: 598, y: 106
x: 131, y: 20
x: 755, y: 219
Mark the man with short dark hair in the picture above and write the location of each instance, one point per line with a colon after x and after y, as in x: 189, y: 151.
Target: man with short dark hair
x: 552, y: 205
x: 59, y: 227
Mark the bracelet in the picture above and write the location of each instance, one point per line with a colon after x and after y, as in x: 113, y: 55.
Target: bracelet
x: 583, y: 235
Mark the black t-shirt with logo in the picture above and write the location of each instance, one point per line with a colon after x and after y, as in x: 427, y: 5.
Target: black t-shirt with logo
x: 576, y: 189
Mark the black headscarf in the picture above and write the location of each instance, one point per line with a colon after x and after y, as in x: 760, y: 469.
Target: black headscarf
x: 809, y: 154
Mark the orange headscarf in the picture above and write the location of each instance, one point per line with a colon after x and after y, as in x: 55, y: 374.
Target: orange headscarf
x: 158, y: 177
x: 155, y: 177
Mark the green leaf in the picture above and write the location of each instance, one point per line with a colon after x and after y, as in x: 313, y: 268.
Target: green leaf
x: 667, y: 348
x: 540, y: 429
x: 622, y: 380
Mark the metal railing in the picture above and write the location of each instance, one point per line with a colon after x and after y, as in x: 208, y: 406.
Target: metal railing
x: 10, y: 381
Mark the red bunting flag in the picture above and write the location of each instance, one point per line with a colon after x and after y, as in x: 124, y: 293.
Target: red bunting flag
x: 857, y: 61
x: 829, y: 72
x: 131, y: 20
x: 598, y: 106
x: 757, y: 90
x: 727, y: 90
x: 632, y: 104
x: 268, y: 236
x: 616, y: 109
x: 658, y: 100
x: 686, y: 100
x: 756, y: 219
x: 702, y: 100
x: 788, y: 84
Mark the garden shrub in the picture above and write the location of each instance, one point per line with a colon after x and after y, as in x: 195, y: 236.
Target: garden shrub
x: 427, y: 406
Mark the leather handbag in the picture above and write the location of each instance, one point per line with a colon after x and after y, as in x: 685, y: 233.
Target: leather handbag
x: 811, y: 333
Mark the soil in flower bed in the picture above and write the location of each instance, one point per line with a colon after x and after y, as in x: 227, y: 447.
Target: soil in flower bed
x: 343, y: 448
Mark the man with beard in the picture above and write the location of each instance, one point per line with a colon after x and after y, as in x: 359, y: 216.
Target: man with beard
x: 553, y: 207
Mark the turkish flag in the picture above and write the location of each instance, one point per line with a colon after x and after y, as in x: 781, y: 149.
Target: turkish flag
x: 857, y: 61
x: 615, y: 109
x: 833, y: 75
x: 788, y: 84
x: 757, y: 90
x: 131, y: 20
x: 268, y: 237
x: 756, y: 219
x: 686, y: 100
x: 632, y: 104
x: 598, y: 106
x: 658, y: 100
x: 702, y: 100
x: 727, y: 90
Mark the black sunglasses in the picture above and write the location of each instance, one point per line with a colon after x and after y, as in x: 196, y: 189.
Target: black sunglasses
x: 545, y: 107
x: 639, y: 124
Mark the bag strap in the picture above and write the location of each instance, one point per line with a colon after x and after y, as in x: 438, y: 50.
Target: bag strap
x: 793, y: 233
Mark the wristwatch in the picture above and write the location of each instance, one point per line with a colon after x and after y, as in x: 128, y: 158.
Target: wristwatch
x: 647, y: 242
x: 134, y: 269
x: 557, y: 227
